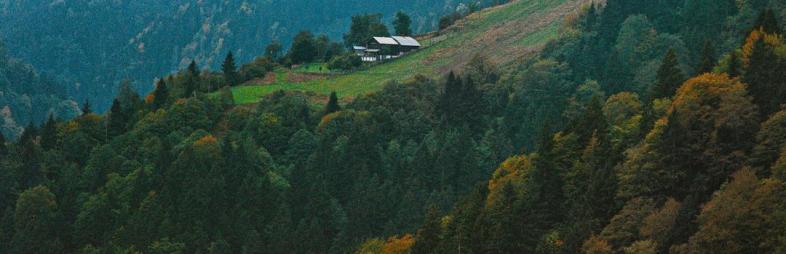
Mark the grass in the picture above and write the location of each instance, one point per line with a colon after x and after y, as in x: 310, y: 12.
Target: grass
x: 430, y: 60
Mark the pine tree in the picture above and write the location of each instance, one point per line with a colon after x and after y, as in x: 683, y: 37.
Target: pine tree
x: 762, y: 76
x: 708, y: 59
x: 402, y: 24
x: 86, y: 108
x: 3, y: 146
x: 29, y: 134
x: 160, y: 95
x: 669, y: 77
x: 230, y: 70
x: 768, y: 22
x: 192, y: 78
x: 117, y: 119
x: 49, y: 133
x: 332, y: 105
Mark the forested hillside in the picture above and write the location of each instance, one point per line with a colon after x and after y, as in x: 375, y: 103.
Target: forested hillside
x: 643, y: 127
x: 93, y: 45
x: 28, y: 98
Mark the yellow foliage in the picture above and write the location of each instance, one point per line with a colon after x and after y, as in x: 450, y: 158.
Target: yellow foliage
x: 206, y: 140
x: 513, y: 170
x: 396, y: 245
x: 773, y: 40
x: 596, y: 245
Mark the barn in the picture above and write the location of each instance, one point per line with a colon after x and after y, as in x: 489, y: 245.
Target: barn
x: 383, y: 48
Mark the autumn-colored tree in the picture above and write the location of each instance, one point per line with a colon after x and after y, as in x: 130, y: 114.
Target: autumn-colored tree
x: 596, y: 245
x: 743, y: 217
x: 398, y: 245
x: 764, y: 74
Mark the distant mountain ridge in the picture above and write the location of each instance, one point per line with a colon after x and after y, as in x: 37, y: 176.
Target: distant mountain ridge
x: 93, y: 45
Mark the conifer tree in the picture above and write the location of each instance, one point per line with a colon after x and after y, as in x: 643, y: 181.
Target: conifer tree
x: 332, y: 105
x: 29, y: 134
x: 707, y: 58
x: 191, y: 80
x: 768, y: 22
x: 86, y: 108
x: 402, y: 24
x: 230, y: 70
x: 3, y: 147
x: 117, y: 119
x: 763, y: 76
x: 160, y: 95
x: 669, y: 77
x: 49, y: 133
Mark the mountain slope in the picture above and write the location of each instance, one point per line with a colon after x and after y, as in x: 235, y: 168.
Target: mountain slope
x: 503, y: 34
x: 96, y: 44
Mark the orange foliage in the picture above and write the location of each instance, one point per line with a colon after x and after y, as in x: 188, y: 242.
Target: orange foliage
x: 596, y: 245
x: 149, y: 98
x: 773, y: 40
x: 396, y: 245
x: 206, y: 140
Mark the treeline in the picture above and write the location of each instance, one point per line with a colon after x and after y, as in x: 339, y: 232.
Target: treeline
x: 664, y: 134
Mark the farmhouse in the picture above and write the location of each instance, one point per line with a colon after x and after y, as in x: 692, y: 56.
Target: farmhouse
x: 383, y: 48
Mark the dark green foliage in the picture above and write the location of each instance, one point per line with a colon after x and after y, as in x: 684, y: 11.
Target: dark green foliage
x: 669, y: 77
x: 273, y: 50
x: 734, y: 65
x: 349, y: 61
x: 428, y: 237
x: 118, y: 119
x: 765, y: 78
x: 708, y: 59
x: 86, y: 109
x: 332, y: 105
x: 364, y: 27
x: 191, y: 83
x: 160, y: 95
x: 259, y: 68
x: 230, y: 70
x: 49, y: 134
x: 767, y: 22
x: 402, y: 24
x: 303, y: 48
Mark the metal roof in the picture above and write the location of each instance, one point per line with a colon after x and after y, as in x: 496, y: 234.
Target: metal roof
x: 386, y: 41
x: 406, y: 41
x: 358, y: 48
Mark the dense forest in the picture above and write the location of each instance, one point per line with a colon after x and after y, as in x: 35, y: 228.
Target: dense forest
x: 79, y: 43
x: 646, y: 127
x: 27, y: 97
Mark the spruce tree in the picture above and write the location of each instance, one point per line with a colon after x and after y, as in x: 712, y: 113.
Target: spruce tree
x: 332, y: 105
x: 86, y: 107
x: 230, y: 70
x: 402, y: 24
x: 762, y: 76
x: 49, y: 133
x: 160, y: 95
x: 192, y: 78
x: 669, y: 77
x: 29, y: 134
x: 768, y: 22
x: 117, y: 119
x: 3, y: 147
x: 707, y: 58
